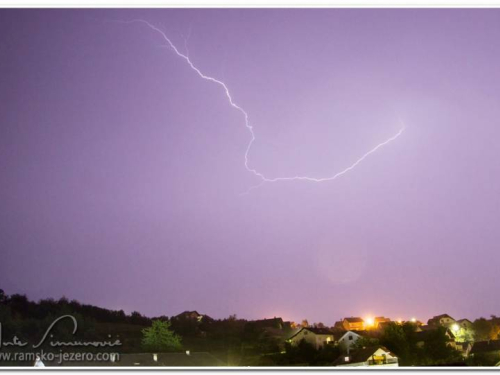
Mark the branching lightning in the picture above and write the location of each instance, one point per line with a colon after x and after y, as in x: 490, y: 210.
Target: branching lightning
x: 263, y: 178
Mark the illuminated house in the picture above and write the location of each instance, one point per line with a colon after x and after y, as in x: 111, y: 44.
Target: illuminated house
x: 466, y: 324
x: 353, y: 324
x: 443, y: 320
x: 462, y: 330
x: 376, y: 356
x: 380, y: 320
x: 318, y: 337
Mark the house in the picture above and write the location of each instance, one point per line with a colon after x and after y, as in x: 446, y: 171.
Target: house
x: 443, y: 320
x: 189, y: 315
x: 380, y: 320
x: 426, y: 333
x: 376, y: 356
x: 348, y: 340
x: 465, y: 324
x: 353, y: 324
x: 462, y: 330
x: 318, y: 337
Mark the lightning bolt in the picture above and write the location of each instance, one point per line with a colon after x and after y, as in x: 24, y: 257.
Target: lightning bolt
x: 249, y: 127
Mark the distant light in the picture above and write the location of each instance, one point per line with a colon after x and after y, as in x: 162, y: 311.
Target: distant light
x: 369, y: 321
x: 400, y: 321
x: 188, y: 352
x: 413, y: 320
x: 455, y: 327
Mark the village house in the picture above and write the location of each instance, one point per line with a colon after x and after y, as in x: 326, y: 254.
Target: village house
x: 348, y: 340
x: 318, y: 337
x: 425, y: 332
x: 443, y: 320
x: 380, y: 320
x: 376, y: 356
x: 463, y: 329
x: 190, y: 315
x: 353, y: 324
x: 465, y: 324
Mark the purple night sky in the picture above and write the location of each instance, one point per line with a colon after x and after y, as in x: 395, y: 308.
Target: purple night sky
x: 122, y: 170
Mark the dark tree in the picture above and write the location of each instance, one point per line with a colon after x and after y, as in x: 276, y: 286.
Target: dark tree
x: 396, y: 340
x: 137, y: 318
x: 301, y: 354
x: 437, y: 350
x: 483, y: 329
x: 364, y: 342
x: 304, y: 354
